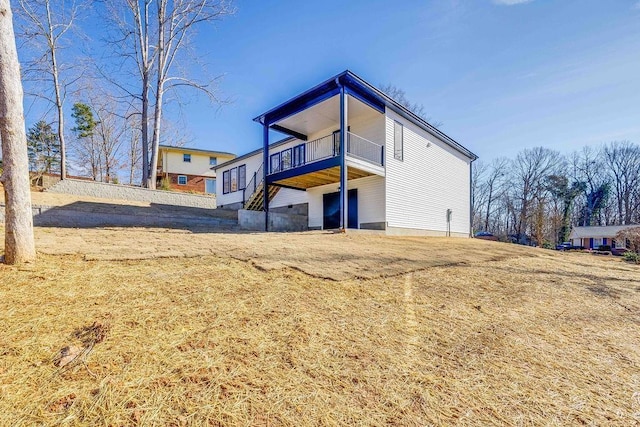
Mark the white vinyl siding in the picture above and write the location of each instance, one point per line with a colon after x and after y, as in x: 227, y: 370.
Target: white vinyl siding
x: 370, y: 200
x: 252, y: 164
x: 288, y: 196
x: 431, y: 178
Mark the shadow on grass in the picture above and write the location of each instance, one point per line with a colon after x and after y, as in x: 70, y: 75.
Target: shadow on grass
x: 95, y: 215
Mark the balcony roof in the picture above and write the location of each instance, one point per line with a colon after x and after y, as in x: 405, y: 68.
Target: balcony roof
x: 364, y: 92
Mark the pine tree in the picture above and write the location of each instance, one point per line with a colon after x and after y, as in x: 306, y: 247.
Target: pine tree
x: 43, y: 148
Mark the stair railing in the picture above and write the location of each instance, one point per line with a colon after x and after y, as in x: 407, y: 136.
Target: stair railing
x: 252, y: 186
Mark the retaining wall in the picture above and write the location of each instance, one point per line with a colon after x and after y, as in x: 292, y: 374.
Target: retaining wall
x: 254, y: 220
x: 86, y: 215
x: 123, y: 192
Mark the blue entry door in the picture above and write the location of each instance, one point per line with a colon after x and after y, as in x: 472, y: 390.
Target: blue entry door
x: 331, y: 210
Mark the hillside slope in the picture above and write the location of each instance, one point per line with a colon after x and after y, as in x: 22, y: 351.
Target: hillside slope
x: 317, y: 329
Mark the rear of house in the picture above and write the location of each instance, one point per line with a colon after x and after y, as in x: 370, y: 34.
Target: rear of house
x: 393, y: 172
x: 189, y: 169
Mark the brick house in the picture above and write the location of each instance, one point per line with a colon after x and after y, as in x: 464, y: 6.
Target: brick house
x: 190, y: 169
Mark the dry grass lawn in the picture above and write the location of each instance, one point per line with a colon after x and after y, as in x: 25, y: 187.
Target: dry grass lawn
x: 316, y: 329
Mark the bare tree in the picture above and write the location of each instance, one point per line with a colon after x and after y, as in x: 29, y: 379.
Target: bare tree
x: 400, y: 96
x: 19, y: 243
x: 623, y: 161
x: 530, y: 168
x: 46, y: 24
x: 134, y: 156
x: 155, y: 36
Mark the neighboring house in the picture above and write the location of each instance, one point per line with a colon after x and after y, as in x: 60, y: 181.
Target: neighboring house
x: 355, y: 158
x: 594, y: 236
x: 190, y: 169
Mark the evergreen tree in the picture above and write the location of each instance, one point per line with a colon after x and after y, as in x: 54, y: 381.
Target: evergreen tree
x: 85, y: 123
x: 43, y: 148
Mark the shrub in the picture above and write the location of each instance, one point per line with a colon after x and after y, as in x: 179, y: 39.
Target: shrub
x: 604, y: 248
x: 165, y: 184
x: 631, y: 257
x: 631, y: 237
x: 547, y: 245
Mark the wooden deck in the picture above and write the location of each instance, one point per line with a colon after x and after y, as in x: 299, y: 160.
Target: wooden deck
x: 322, y: 177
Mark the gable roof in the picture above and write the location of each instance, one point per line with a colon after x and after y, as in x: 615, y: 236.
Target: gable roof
x: 360, y: 88
x: 195, y: 150
x: 598, y: 232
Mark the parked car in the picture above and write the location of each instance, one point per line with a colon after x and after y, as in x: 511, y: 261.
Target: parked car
x: 485, y: 235
x: 568, y: 246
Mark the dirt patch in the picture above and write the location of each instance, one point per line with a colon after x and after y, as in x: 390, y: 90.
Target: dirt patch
x: 318, y: 254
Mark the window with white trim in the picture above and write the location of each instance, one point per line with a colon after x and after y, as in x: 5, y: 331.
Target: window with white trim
x: 182, y: 180
x: 186, y: 158
x: 398, y: 140
x: 213, y: 161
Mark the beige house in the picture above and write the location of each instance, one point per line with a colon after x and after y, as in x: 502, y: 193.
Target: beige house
x: 190, y: 169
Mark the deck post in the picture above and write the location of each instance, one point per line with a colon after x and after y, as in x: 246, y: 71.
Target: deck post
x: 344, y: 215
x: 265, y: 186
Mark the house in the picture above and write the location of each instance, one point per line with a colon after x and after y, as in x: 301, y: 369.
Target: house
x: 592, y: 237
x: 189, y: 169
x: 354, y: 158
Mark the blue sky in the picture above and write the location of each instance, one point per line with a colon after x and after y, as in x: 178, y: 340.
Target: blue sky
x: 501, y: 75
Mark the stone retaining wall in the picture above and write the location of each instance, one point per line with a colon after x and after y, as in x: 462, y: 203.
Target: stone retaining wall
x: 124, y: 192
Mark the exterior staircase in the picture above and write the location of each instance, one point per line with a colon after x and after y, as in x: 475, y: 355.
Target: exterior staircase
x: 256, y: 200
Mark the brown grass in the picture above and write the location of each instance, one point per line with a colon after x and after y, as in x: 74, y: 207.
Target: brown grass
x: 317, y: 329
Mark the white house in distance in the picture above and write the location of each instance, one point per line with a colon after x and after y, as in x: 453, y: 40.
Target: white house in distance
x: 355, y: 158
x: 190, y: 169
x: 592, y: 237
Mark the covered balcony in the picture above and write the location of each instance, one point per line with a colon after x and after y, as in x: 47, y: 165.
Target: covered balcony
x: 317, y: 162
x: 339, y: 128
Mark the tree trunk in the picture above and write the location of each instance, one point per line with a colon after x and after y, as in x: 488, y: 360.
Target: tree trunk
x: 156, y: 139
x: 56, y: 87
x: 145, y: 130
x: 19, y: 242
x: 160, y: 79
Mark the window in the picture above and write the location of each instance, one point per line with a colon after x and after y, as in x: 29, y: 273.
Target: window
x: 234, y: 179
x: 242, y: 177
x: 186, y: 158
x: 397, y: 140
x: 226, y: 182
x: 213, y: 161
x: 210, y: 186
x: 275, y: 163
x: 298, y: 155
x: 182, y: 180
x: 285, y: 159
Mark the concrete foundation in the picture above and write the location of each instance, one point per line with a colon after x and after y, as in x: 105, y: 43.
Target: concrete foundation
x: 400, y: 231
x: 254, y: 220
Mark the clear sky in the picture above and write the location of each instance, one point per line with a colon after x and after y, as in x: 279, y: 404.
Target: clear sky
x: 501, y: 75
